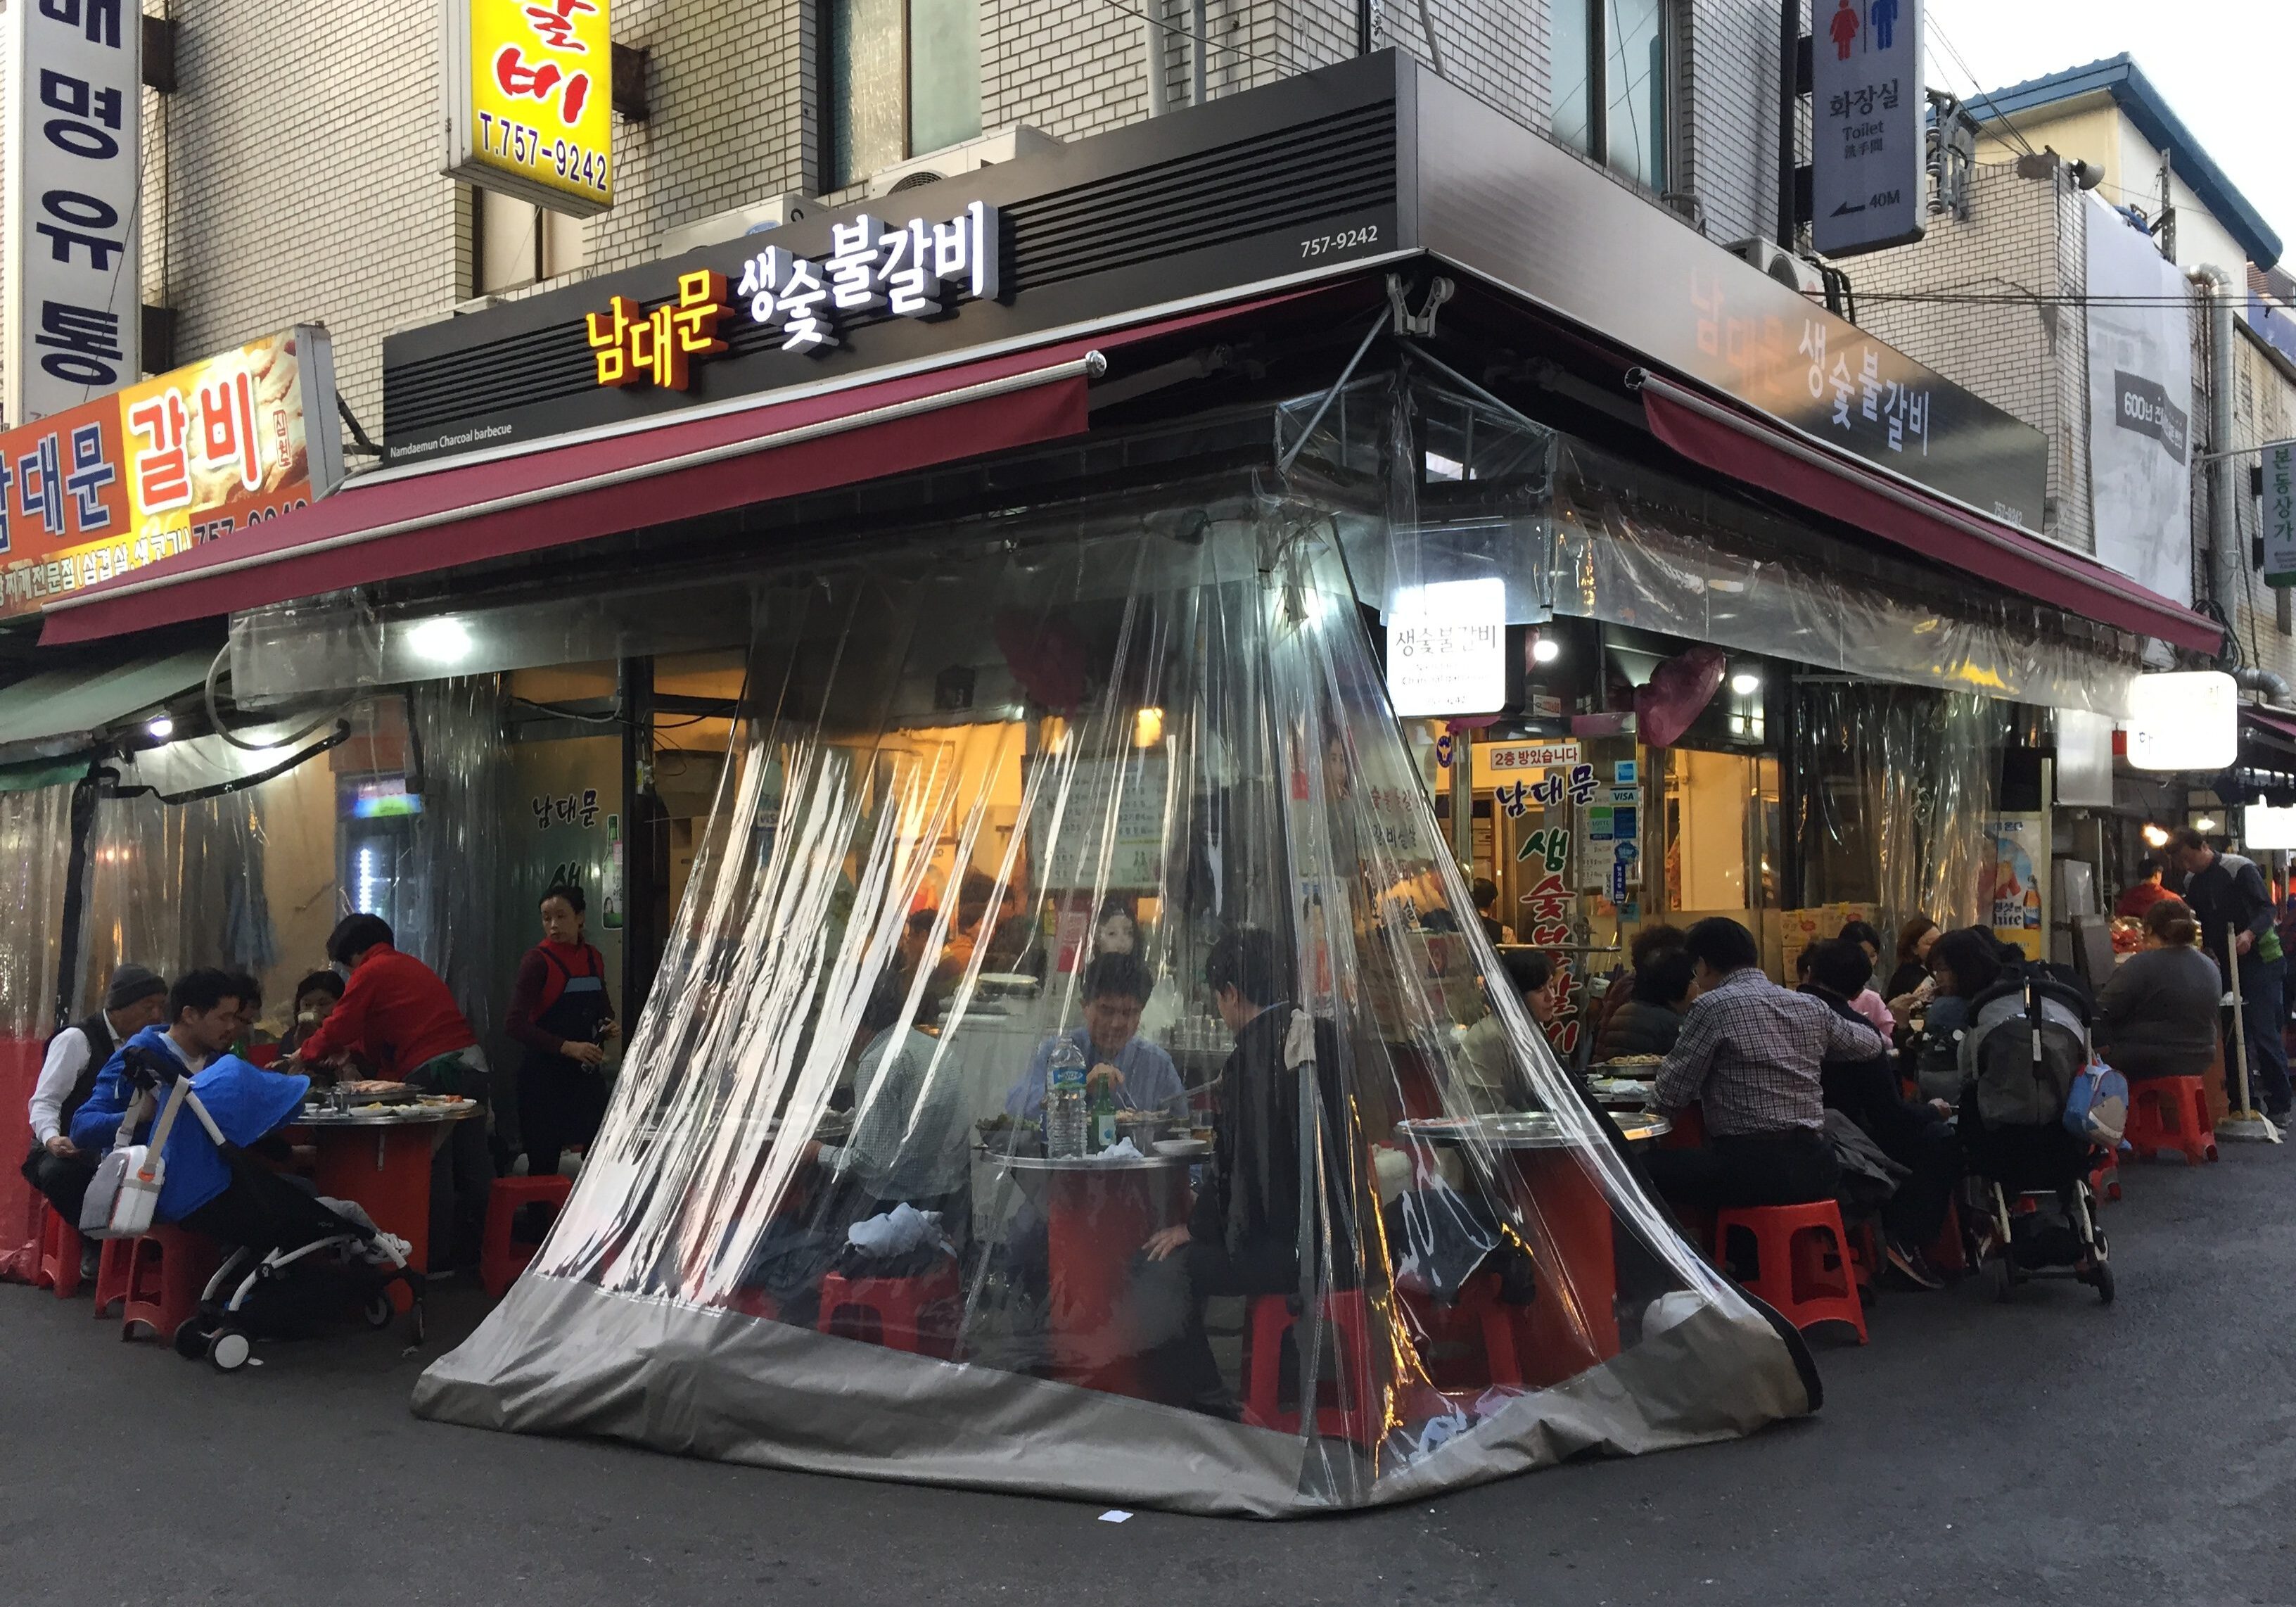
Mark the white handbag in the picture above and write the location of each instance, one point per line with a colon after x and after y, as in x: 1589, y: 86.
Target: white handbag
x: 123, y: 1197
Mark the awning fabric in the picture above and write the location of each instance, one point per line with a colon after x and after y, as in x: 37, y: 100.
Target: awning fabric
x: 64, y: 711
x: 2270, y: 722
x: 1761, y: 451
x: 415, y: 523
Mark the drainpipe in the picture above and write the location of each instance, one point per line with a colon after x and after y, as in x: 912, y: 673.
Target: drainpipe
x: 2224, y: 529
x: 2226, y: 560
x: 1151, y: 48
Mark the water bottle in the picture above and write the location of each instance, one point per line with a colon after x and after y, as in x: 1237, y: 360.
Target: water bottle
x: 1064, y: 1100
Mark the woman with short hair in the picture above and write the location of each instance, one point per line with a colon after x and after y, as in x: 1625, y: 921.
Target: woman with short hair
x: 2158, y: 1014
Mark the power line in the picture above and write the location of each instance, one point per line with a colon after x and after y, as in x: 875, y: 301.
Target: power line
x: 1977, y: 93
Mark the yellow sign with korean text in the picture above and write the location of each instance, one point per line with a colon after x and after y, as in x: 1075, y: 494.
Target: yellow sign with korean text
x: 529, y: 100
x: 195, y: 455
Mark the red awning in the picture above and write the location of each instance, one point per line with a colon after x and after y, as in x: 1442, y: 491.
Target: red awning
x: 417, y: 522
x: 2272, y: 722
x: 1820, y: 477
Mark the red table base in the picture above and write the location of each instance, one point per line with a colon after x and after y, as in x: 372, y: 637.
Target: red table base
x: 1573, y: 1323
x: 386, y: 1171
x: 1097, y: 1222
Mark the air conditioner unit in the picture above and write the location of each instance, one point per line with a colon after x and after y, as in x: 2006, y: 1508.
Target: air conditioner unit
x: 989, y: 149
x: 754, y: 218
x: 1791, y: 271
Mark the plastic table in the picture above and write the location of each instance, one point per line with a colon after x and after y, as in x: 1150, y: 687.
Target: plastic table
x: 1098, y: 1214
x: 380, y: 1156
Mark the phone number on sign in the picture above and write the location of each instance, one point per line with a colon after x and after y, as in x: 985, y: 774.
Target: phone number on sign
x: 1346, y: 240
x: 523, y: 143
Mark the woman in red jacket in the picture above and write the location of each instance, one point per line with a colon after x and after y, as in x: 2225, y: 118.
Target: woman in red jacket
x: 560, y: 1015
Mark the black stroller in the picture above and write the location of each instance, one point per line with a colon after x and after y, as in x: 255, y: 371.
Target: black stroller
x: 305, y: 1265
x: 2027, y: 1042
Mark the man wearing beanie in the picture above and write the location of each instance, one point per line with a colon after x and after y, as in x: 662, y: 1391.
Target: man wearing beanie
x: 136, y: 998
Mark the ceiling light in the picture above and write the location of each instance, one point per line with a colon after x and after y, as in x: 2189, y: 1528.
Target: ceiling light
x: 446, y: 641
x: 1544, y: 650
x: 1746, y: 683
x: 161, y: 727
x: 2205, y: 823
x: 2156, y: 836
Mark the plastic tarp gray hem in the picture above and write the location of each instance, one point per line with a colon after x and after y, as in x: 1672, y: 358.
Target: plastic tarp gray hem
x: 558, y: 1356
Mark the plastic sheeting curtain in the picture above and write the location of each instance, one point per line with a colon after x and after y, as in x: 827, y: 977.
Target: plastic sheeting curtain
x: 35, y: 859
x: 458, y: 762
x: 988, y: 802
x: 1894, y: 787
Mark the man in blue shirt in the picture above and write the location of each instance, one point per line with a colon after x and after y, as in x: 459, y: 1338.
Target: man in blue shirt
x: 1115, y: 988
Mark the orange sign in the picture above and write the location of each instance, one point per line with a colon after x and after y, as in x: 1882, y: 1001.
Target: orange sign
x: 90, y: 493
x: 632, y: 345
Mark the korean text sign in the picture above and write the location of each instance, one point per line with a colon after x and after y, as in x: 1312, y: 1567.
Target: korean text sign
x: 72, y: 280
x: 1867, y: 103
x: 2280, y: 515
x: 88, y: 494
x: 529, y: 100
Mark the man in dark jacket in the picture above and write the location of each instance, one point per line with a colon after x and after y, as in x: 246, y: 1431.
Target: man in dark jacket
x: 1244, y: 1236
x: 2227, y: 893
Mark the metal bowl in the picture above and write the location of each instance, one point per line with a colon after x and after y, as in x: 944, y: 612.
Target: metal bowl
x: 1144, y: 1127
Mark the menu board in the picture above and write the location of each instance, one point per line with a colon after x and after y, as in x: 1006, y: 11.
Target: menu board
x: 1133, y: 787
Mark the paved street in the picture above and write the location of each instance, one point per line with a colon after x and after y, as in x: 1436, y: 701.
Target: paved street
x: 2050, y: 1452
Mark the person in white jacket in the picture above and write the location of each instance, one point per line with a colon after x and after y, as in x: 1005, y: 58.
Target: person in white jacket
x: 137, y: 997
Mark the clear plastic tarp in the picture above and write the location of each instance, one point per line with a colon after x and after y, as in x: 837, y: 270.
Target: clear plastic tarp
x: 1071, y: 1071
x: 34, y: 860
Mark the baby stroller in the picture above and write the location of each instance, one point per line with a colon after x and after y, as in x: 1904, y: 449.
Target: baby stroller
x: 2026, y: 1043
x: 304, y: 1261
x: 329, y: 1262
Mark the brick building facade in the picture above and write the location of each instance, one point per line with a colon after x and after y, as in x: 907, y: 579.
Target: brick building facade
x: 294, y: 174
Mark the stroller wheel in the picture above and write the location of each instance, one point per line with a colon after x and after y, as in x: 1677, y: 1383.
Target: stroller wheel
x: 191, y: 1338
x: 417, y: 1314
x: 229, y: 1349
x: 2100, y: 1277
x: 378, y: 1310
x: 2004, y: 1275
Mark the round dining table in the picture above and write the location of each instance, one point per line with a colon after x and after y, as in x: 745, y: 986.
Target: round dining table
x: 379, y: 1156
x: 1097, y: 1215
x: 1572, y: 1324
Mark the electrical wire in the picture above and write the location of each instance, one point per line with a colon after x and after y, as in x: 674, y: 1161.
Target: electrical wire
x: 215, y: 716
x: 1977, y: 96
x: 1178, y: 32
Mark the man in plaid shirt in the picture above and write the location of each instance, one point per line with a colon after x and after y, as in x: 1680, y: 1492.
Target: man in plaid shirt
x: 1749, y: 1053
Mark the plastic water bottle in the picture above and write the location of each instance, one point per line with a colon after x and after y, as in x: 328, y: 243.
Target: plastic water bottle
x: 1064, y: 1100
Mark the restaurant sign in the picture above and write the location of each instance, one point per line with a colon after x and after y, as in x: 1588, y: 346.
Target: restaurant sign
x: 529, y: 93
x: 97, y: 491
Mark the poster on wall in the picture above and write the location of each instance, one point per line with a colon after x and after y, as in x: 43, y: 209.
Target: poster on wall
x: 72, y: 283
x: 190, y: 456
x: 2016, y: 904
x: 2140, y: 395
x: 528, y: 88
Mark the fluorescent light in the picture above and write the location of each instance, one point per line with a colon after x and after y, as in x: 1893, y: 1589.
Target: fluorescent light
x: 2204, y: 824
x: 1546, y: 650
x: 446, y: 641
x: 1746, y: 683
x: 160, y: 727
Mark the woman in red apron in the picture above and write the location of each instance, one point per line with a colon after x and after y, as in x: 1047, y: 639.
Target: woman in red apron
x: 560, y: 1016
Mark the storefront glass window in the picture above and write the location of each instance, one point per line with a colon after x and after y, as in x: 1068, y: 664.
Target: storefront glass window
x: 1635, y: 84
x: 944, y: 73
x: 1574, y: 68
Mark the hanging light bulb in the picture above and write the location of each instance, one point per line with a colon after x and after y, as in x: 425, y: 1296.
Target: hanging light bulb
x: 160, y: 727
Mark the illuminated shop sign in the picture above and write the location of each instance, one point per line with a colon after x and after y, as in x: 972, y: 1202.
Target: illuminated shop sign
x: 632, y: 346
x: 913, y: 270
x: 528, y: 89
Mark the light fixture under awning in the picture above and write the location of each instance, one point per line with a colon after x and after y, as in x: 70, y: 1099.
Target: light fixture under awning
x: 61, y: 712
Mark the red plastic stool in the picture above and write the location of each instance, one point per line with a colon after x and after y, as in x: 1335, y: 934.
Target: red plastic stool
x: 1801, y: 1261
x: 1345, y: 1407
x: 1479, y: 1314
x: 1947, y: 1254
x: 1865, y: 1256
x: 167, y: 1269
x: 113, y: 1264
x: 501, y: 1258
x: 920, y: 1315
x: 2170, y: 1113
x: 60, y: 1253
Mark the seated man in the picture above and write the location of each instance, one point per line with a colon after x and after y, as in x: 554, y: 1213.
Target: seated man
x: 1750, y: 1054
x: 203, y: 1190
x: 1115, y: 988
x: 202, y: 1017
x: 1244, y: 1235
x: 1916, y: 1136
x: 56, y: 1167
x: 908, y: 1145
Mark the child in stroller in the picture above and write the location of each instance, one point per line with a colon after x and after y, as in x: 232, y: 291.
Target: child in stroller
x: 2026, y: 1043
x: 297, y: 1260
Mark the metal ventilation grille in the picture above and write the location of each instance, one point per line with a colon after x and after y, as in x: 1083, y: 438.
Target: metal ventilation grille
x: 1290, y: 177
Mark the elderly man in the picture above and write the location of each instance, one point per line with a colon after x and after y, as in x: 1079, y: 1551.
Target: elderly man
x: 2227, y: 894
x: 56, y: 1167
x: 1115, y: 988
x: 1750, y: 1054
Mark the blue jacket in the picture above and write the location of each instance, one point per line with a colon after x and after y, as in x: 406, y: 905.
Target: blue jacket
x: 95, y: 1124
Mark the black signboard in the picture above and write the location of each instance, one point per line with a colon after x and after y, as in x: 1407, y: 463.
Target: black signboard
x: 1314, y: 177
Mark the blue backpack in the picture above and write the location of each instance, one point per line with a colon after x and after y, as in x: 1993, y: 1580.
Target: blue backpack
x: 2097, y: 1108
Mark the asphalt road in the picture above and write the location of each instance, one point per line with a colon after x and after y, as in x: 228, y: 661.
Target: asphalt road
x: 2049, y: 1451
